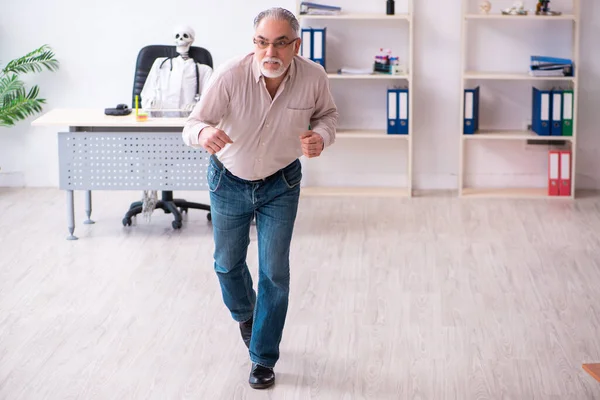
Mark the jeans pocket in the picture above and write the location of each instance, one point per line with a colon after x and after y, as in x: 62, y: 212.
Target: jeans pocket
x: 213, y: 177
x: 292, y: 175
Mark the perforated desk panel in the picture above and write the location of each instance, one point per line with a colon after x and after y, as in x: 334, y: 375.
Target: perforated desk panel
x: 129, y: 161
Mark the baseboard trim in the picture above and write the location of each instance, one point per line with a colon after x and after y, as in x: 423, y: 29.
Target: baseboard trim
x: 12, y: 179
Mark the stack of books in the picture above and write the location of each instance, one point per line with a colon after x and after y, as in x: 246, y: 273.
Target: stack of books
x: 308, y: 8
x: 550, y: 66
x: 386, y: 63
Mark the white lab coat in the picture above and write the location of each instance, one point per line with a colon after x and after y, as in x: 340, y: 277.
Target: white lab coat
x: 175, y: 88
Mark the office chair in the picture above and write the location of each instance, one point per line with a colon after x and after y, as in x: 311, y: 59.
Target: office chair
x: 144, y: 62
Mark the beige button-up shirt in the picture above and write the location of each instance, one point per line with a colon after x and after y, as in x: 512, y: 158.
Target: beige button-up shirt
x: 265, y: 132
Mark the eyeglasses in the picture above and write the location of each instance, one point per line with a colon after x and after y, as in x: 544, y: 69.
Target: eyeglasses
x: 281, y: 44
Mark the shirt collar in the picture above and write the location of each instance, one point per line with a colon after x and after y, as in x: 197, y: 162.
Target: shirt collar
x: 255, y: 69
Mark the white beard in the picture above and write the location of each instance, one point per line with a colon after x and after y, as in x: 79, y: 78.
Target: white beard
x: 270, y: 73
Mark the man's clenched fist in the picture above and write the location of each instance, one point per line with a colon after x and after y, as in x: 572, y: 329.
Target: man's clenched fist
x: 312, y: 144
x: 213, y: 139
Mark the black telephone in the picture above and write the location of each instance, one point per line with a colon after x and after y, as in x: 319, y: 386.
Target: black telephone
x: 121, y: 109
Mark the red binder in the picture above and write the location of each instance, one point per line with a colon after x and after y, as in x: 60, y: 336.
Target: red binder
x: 553, y: 172
x: 565, y: 173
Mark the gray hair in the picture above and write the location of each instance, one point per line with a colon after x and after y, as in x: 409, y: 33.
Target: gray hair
x: 280, y: 14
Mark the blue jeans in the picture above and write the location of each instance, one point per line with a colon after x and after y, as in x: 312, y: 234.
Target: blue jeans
x: 274, y: 202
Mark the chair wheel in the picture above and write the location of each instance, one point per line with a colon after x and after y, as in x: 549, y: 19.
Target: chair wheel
x: 208, y: 217
x: 126, y: 221
x: 183, y: 210
x: 176, y: 224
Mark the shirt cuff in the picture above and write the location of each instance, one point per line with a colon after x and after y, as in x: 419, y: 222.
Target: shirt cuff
x: 192, y: 132
x: 325, y: 135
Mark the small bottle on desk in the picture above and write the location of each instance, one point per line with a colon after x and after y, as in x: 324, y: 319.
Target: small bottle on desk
x: 139, y: 116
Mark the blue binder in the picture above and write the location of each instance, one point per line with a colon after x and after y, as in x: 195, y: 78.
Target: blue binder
x: 318, y: 45
x: 541, y: 108
x: 314, y: 44
x: 397, y: 111
x: 471, y: 111
x: 541, y: 63
x: 306, y: 45
x: 556, y: 116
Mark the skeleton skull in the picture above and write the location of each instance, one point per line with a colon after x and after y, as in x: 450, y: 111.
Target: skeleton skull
x: 184, y: 37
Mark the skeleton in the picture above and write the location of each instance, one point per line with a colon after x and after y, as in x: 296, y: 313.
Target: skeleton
x: 173, y: 83
x: 184, y: 37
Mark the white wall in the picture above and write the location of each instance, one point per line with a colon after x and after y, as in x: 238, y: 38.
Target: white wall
x: 97, y: 44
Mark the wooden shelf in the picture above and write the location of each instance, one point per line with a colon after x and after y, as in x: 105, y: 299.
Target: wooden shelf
x: 380, y: 76
x: 524, y: 193
x: 529, y: 17
x: 368, y: 134
x: 513, y: 135
x: 355, y: 191
x: 355, y: 16
x: 519, y: 76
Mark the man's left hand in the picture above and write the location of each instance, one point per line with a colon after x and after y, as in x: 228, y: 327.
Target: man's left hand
x: 312, y: 144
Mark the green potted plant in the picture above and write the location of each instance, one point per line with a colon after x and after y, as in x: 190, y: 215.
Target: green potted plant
x: 16, y: 102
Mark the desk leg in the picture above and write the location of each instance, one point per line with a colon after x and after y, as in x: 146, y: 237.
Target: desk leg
x: 71, y: 214
x: 88, y: 207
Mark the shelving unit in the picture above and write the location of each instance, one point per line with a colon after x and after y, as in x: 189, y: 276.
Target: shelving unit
x: 368, y: 134
x: 514, y: 135
x: 528, y: 17
x: 500, y: 76
x: 364, y: 16
x: 347, y: 79
x: 379, y: 76
x: 502, y: 135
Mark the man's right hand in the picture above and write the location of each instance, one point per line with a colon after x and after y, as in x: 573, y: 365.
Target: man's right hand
x: 213, y: 139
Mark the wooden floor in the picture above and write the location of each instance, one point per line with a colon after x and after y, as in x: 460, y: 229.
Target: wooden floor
x: 415, y: 298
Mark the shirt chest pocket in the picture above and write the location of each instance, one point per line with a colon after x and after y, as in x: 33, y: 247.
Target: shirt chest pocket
x: 299, y: 117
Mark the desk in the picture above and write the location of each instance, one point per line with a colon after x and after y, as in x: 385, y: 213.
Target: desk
x: 101, y: 152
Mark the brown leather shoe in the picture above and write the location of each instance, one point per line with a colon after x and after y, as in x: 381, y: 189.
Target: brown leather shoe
x: 261, y: 377
x: 246, y: 331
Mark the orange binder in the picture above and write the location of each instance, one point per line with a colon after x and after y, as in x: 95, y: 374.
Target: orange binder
x: 553, y: 172
x: 565, y: 173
